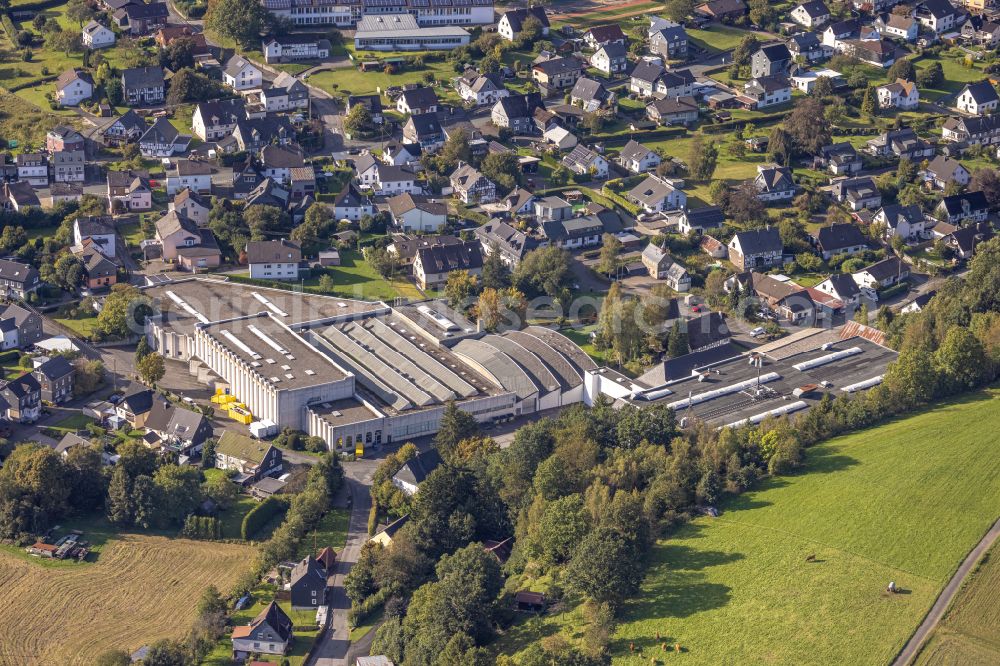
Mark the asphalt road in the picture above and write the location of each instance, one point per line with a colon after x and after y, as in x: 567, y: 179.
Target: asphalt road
x: 937, y: 611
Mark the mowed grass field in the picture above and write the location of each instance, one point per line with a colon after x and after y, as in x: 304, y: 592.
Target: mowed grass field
x: 140, y: 589
x: 969, y: 633
x: 902, y: 502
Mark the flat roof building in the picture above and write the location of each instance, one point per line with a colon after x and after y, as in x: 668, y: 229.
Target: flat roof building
x: 401, y: 32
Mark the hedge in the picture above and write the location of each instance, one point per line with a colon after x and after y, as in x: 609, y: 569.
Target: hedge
x: 202, y: 527
x: 35, y: 7
x: 12, y: 356
x: 260, y: 515
x: 730, y: 125
x: 10, y: 28
x: 359, y: 612
x: 620, y: 200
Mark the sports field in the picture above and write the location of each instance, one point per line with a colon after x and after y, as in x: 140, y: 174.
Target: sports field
x: 903, y: 502
x: 969, y: 633
x: 141, y: 588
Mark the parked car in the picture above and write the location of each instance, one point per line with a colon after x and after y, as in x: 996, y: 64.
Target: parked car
x: 757, y: 332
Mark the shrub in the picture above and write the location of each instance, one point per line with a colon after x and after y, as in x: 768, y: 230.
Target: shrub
x: 260, y: 515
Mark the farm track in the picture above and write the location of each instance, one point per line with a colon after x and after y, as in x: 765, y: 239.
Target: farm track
x: 142, y: 588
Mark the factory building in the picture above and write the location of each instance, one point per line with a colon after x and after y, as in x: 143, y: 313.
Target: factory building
x: 348, y: 13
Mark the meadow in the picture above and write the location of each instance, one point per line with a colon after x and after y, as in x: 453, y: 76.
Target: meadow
x: 902, y: 502
x: 969, y: 633
x: 140, y: 589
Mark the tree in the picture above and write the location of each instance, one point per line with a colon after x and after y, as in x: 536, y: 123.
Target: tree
x: 504, y: 169
x: 869, y: 106
x: 65, y: 41
x: 988, y: 182
x: 79, y: 11
x: 961, y: 361
x: 151, y: 368
x: 496, y: 274
x: 241, y: 20
x: 531, y: 30
x: 902, y: 69
x: 499, y: 306
x: 718, y: 192
x: 746, y: 48
x: 545, y: 270
x: 263, y: 221
x: 220, y: 490
x: 604, y: 566
x: 744, y: 206
x: 142, y: 349
x: 610, y: 259
x: 564, y: 523
x: 88, y: 376
x: 178, y: 55
x: 460, y: 288
x: 455, y: 426
x: 702, y: 158
x: 119, y: 506
x: 113, y: 657
x: 779, y: 146
x: 823, y: 87
x: 187, y: 85
x: 165, y: 653
x: 807, y: 126
x: 931, y: 76
x: 761, y: 12
x: 358, y: 120
x: 677, y: 343
x: 679, y: 10
x: 124, y: 312
x: 178, y: 490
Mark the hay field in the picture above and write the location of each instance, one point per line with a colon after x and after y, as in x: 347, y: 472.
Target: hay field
x: 141, y: 588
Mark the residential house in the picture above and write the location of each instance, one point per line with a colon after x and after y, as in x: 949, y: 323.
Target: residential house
x: 518, y: 202
x: 143, y: 86
x: 969, y: 206
x: 22, y: 397
x: 790, y: 301
x: 675, y: 83
x: 96, y: 36
x: 21, y: 197
x: 471, y: 186
x: 192, y: 206
x: 167, y: 35
x: 552, y: 208
x: 510, y: 24
x: 385, y: 179
x: 302, y: 181
x: 975, y: 130
x: 901, y: 94
x: 33, y: 168
x: 417, y: 213
x: 251, y: 458
x: 217, y: 119
x: 371, y: 102
x: 964, y: 241
x: 97, y: 232
x: 806, y: 80
x: 977, y: 99
x: 307, y: 585
x: 842, y: 287
x: 61, y: 138
x: 644, y: 76
x: 177, y: 429
x: 63, y: 192
x: 424, y: 130
x: 774, y: 183
x: 274, y: 259
x: 268, y: 633
x: 268, y: 192
x: 840, y: 239
x: 556, y: 74
x: 253, y: 134
x: 899, y: 220
x: 897, y: 26
x: 841, y: 159
x: 943, y: 171
x: 811, y: 14
x: 415, y: 470
x: 939, y: 16
x: 637, y: 158
x: 755, y: 249
x: 135, y: 405
x: 404, y: 247
x: 350, y: 204
x: 162, y: 139
x: 585, y: 162
x: 174, y: 231
x: 511, y: 243
x: 277, y: 162
x: 722, y: 10
x: 902, y: 143
x: 877, y: 52
x: 611, y: 60
x: 284, y: 94
x: 858, y: 193
x: 807, y: 45
x: 673, y: 111
x: 581, y: 232
x: 55, y: 379
x: 68, y: 166
x: 99, y: 271
x: 768, y: 90
x: 240, y: 74
x: 982, y: 31
x: 700, y: 220
x: 126, y: 129
x: 602, y: 35
x: 670, y: 43
x: 432, y: 265
x: 292, y: 48
x: 480, y: 89
x: 882, y: 274
x: 560, y: 137
x: 661, y: 266
x: 769, y: 60
x: 128, y: 191
x: 189, y: 175
x: 141, y: 18
x: 21, y: 327
x: 73, y: 86
x: 418, y: 100
x: 655, y: 194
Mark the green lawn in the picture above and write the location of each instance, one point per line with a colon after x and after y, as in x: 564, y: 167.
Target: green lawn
x: 232, y: 517
x: 83, y: 328
x: 353, y: 81
x: 717, y: 37
x: 609, y: 15
x: 969, y: 633
x: 73, y: 423
x: 956, y: 74
x: 331, y: 531
x: 902, y: 502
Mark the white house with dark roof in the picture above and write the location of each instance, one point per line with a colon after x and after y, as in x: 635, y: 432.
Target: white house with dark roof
x: 896, y: 26
x: 610, y: 59
x: 756, y: 249
x: 241, y: 74
x: 942, y: 171
x: 655, y: 194
x: 898, y: 220
x: 510, y: 24
x: 840, y: 239
x: 417, y: 100
x: 661, y: 266
x: 769, y: 90
x: 191, y: 175
x: 99, y: 231
x: 162, y: 139
x: 643, y: 78
x: 774, y: 183
x: 471, y: 186
x: 97, y: 36
x: 284, y: 94
x: 417, y: 213
x: 811, y: 14
x: 588, y: 94
x: 73, y: 86
x: 350, y: 204
x: 274, y: 259
x: 937, y: 15
x: 637, y: 158
x: 480, y: 89
x: 585, y: 162
x: 977, y: 99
